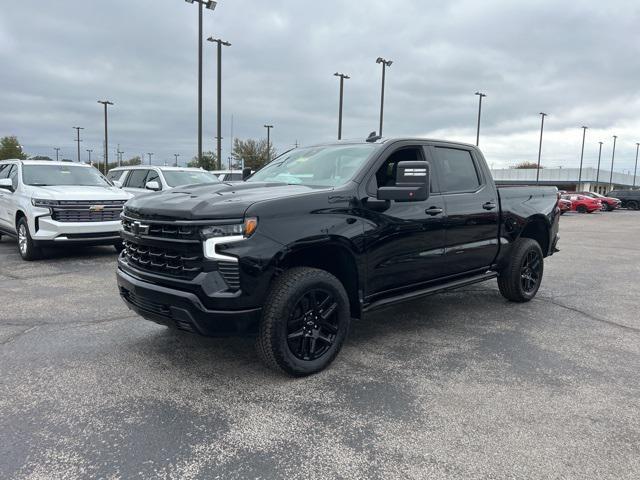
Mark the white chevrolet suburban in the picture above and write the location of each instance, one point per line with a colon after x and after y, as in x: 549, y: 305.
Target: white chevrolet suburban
x: 139, y: 179
x: 45, y: 203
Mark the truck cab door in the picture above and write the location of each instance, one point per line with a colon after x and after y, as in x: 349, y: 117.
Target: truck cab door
x: 404, y: 240
x: 472, y: 205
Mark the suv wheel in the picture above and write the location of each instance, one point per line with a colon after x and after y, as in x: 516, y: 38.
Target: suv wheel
x: 304, y: 322
x: 632, y: 205
x: 520, y: 280
x: 28, y: 251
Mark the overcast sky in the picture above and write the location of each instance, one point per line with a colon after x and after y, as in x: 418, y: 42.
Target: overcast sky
x: 579, y: 61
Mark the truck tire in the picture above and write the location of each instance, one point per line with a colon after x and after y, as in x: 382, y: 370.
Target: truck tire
x: 26, y: 247
x: 632, y: 205
x: 520, y: 280
x: 305, y: 321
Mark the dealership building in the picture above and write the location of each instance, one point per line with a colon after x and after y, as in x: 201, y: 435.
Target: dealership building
x: 567, y: 178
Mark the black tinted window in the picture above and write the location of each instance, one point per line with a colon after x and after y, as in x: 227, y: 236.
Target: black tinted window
x: 457, y: 169
x: 136, y: 178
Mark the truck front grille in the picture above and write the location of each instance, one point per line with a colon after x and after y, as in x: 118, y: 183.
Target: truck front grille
x: 87, y: 211
x: 164, y: 260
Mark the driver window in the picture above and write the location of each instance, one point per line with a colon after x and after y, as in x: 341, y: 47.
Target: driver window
x: 386, y: 174
x: 13, y: 175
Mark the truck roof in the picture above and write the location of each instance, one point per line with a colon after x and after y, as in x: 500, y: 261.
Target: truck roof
x: 383, y: 140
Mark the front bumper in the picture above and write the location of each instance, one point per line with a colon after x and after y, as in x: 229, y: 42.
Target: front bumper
x: 47, y: 230
x: 183, y: 310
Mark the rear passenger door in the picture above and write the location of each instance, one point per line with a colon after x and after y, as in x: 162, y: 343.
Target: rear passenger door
x: 472, y: 207
x: 136, y: 181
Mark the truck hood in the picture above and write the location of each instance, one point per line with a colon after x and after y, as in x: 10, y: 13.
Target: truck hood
x: 77, y: 192
x: 211, y: 201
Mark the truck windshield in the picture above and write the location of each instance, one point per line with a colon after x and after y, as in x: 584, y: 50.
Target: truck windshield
x: 175, y: 178
x: 48, y: 175
x: 327, y: 166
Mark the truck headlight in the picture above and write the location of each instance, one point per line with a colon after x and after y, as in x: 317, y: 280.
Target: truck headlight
x: 43, y: 203
x: 217, y: 234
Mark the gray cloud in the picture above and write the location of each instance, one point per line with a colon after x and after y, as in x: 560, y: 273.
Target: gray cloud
x: 575, y: 60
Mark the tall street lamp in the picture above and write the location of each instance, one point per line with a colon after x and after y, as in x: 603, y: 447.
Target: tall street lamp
x: 342, y: 79
x: 613, y: 156
x: 542, y: 115
x: 57, y: 149
x: 635, y: 169
x: 211, y: 5
x: 598, y: 170
x: 268, y: 127
x: 176, y: 155
x: 480, y: 97
x: 78, y: 140
x: 150, y: 155
x: 385, y: 64
x: 89, y: 152
x: 584, y: 133
x: 106, y: 103
x: 219, y: 116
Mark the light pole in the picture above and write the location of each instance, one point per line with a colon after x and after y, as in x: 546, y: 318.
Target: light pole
x: 635, y: 169
x: 211, y: 5
x: 106, y: 103
x: 219, y: 115
x: 57, y: 149
x: 89, y: 152
x: 385, y: 64
x: 176, y: 155
x: 268, y: 127
x: 542, y: 115
x: 342, y: 79
x: 584, y: 133
x: 613, y: 156
x: 78, y: 140
x: 120, y: 153
x: 598, y: 170
x: 480, y: 97
x: 150, y: 155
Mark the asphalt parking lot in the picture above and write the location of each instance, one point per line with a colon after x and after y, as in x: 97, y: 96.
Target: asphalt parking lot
x: 460, y: 385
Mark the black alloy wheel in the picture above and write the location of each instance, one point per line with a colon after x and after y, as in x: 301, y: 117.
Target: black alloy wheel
x: 531, y: 270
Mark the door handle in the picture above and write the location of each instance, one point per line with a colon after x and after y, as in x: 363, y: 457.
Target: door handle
x: 489, y: 206
x: 433, y: 211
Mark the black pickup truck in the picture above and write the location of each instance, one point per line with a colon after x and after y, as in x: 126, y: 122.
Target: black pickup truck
x: 328, y: 233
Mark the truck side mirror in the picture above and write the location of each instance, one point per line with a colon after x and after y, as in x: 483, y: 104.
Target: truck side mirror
x: 412, y: 183
x: 246, y: 173
x: 153, y: 185
x: 6, y: 184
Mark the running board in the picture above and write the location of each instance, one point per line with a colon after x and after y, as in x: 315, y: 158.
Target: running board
x: 443, y: 287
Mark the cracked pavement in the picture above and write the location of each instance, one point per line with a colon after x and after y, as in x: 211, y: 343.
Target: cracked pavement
x: 459, y: 385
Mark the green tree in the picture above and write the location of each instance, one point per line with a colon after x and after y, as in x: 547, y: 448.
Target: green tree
x: 41, y: 157
x: 254, y: 153
x: 527, y: 165
x: 11, y: 148
x: 208, y: 161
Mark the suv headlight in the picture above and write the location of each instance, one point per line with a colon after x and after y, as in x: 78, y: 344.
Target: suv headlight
x: 37, y: 202
x: 217, y: 234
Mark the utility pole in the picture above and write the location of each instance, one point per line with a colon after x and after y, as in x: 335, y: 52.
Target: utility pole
x: 106, y: 103
x: 89, y: 152
x: 584, y: 133
x: 480, y: 97
x: 57, y: 149
x: 542, y: 114
x: 150, y: 154
x: 598, y: 171
x: 78, y: 140
x: 219, y: 113
x: 385, y: 64
x: 613, y: 156
x: 635, y: 169
x: 268, y: 127
x: 343, y: 77
x: 176, y: 155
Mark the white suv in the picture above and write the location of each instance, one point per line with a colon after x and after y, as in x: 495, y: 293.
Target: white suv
x: 139, y: 179
x: 54, y: 203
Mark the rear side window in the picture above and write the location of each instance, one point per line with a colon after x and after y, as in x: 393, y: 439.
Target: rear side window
x: 115, y: 175
x: 136, y: 178
x: 458, y: 171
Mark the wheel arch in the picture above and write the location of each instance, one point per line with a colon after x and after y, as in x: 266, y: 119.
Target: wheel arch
x: 537, y: 228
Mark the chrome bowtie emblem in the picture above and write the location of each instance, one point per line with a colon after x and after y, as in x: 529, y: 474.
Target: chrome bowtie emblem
x: 138, y: 228
x: 96, y: 208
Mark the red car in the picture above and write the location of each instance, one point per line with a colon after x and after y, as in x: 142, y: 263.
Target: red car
x: 564, y: 205
x: 608, y: 203
x: 582, y: 203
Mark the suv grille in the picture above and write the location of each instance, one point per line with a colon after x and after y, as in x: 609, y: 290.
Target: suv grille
x: 164, y: 260
x: 87, y: 211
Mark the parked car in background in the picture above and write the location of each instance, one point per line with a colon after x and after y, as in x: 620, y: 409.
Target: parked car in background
x: 228, y: 175
x: 630, y: 198
x: 45, y: 203
x: 582, y: 203
x: 608, y: 203
x: 564, y: 205
x: 138, y: 179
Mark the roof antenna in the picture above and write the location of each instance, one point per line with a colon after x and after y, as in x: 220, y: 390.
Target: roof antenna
x: 373, y: 137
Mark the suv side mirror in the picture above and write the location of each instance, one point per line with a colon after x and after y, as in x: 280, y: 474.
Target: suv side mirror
x: 117, y: 183
x: 246, y: 173
x: 6, y: 184
x: 153, y: 185
x: 412, y: 183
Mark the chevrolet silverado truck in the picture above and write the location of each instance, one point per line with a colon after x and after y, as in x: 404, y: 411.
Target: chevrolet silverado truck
x: 326, y: 234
